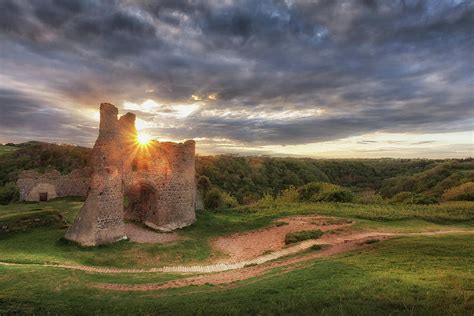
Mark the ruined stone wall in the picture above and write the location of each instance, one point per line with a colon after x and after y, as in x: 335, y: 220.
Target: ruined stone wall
x: 31, y: 183
x: 158, y: 180
x: 100, y: 220
x: 170, y: 172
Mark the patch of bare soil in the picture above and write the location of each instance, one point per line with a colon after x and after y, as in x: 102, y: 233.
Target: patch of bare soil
x: 141, y: 235
x: 249, y: 245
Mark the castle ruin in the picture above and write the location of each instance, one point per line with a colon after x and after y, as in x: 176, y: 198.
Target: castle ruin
x: 34, y: 186
x: 152, y: 184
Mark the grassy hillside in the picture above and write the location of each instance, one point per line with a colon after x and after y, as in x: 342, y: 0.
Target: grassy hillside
x: 409, y: 275
x: 249, y: 178
x: 39, y: 245
x: 433, y: 181
x: 402, y: 276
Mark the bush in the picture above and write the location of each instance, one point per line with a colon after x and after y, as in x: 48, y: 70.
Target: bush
x: 203, y: 184
x: 411, y: 198
x: 325, y: 192
x: 307, y: 191
x: 267, y: 200
x: 369, y: 197
x: 424, y: 199
x: 463, y: 192
x: 9, y: 193
x: 229, y: 200
x: 295, y: 237
x: 213, y: 199
x: 250, y: 198
x: 402, y: 197
x: 289, y: 195
x: 316, y: 247
x: 371, y: 241
x: 335, y: 195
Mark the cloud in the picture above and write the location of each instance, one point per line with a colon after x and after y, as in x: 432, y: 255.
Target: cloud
x: 28, y: 119
x: 263, y: 72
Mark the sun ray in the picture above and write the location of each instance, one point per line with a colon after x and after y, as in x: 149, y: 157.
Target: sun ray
x: 143, y: 139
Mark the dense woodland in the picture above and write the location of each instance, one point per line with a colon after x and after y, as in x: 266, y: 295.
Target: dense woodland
x: 231, y: 180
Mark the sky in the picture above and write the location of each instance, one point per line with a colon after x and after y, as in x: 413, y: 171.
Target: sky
x: 327, y: 78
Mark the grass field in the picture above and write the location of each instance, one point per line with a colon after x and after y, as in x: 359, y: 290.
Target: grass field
x: 404, y: 275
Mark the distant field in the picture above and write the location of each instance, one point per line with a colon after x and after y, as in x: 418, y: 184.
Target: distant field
x: 405, y: 275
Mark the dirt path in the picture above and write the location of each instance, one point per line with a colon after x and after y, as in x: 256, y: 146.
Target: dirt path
x: 337, y: 245
x: 227, y: 277
x: 244, y: 269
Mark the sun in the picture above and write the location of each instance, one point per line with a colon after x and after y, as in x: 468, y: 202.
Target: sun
x: 143, y: 139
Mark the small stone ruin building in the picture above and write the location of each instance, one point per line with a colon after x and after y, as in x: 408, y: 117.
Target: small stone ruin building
x: 34, y: 186
x: 153, y: 184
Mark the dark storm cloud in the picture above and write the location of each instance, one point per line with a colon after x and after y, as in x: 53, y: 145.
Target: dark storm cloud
x: 27, y: 118
x: 368, y: 65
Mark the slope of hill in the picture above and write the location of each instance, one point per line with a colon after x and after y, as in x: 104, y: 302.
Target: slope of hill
x: 248, y: 178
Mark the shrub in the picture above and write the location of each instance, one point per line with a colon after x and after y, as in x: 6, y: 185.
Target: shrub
x: 213, y: 199
x: 295, y: 237
x: 250, y: 198
x: 325, y: 192
x: 9, y: 193
x: 203, y: 184
x: 332, y: 193
x: 289, y: 195
x: 229, y: 200
x: 267, y: 200
x: 411, y: 198
x: 316, y: 247
x: 336, y: 196
x: 463, y: 192
x: 307, y: 191
x: 402, y: 197
x: 424, y: 199
x: 369, y: 197
x: 371, y: 241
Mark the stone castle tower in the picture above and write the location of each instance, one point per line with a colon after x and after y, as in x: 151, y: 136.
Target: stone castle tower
x: 153, y: 184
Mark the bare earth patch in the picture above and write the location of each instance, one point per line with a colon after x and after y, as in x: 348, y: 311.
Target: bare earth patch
x: 141, y: 235
x: 245, y: 246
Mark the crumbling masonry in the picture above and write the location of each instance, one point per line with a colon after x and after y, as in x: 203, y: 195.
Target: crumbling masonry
x: 152, y: 184
x: 34, y: 186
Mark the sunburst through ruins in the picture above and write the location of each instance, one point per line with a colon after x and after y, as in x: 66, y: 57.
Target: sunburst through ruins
x: 155, y: 186
x: 143, y: 139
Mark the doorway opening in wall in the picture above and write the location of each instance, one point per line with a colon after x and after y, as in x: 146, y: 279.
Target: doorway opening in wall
x: 140, y: 199
x: 43, y: 196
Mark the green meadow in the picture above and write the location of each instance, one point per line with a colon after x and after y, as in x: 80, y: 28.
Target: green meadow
x: 411, y: 275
